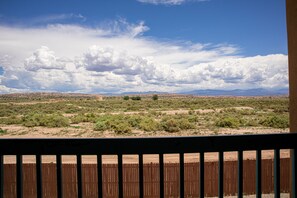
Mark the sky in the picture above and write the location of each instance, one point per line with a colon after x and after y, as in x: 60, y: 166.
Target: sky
x: 115, y: 46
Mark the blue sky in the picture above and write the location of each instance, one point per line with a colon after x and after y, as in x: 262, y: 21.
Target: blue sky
x: 141, y: 45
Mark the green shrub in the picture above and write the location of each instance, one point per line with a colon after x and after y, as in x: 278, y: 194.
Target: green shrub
x: 276, y: 121
x: 47, y: 120
x: 122, y: 128
x: 33, y: 120
x: 184, y: 124
x: 78, y: 119
x: 228, y: 122
x: 11, y: 120
x: 149, y: 124
x: 55, y: 120
x: 2, y: 131
x: 117, y: 123
x: 126, y: 98
x: 170, y: 125
x: 136, y: 98
x: 134, y: 120
x: 101, y: 126
x: 155, y: 97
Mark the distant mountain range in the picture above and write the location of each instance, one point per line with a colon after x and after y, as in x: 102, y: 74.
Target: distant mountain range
x: 201, y: 92
x: 239, y: 92
x: 218, y: 92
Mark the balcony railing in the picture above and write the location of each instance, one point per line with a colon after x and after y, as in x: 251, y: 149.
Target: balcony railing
x: 142, y: 146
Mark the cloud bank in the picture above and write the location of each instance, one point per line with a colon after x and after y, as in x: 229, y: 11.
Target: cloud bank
x: 118, y: 57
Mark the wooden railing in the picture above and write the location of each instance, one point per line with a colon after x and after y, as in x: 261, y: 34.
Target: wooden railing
x: 141, y: 146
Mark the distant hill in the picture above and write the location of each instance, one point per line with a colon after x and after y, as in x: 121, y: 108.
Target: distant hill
x: 48, y: 95
x: 143, y: 93
x: 239, y: 92
x: 202, y: 92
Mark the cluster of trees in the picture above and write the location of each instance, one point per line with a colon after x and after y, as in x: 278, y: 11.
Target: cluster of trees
x: 154, y: 97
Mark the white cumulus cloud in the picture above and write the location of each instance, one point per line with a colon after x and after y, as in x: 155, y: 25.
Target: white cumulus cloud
x: 118, y: 57
x: 44, y: 58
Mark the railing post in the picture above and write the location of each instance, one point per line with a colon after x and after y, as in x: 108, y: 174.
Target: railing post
x: 221, y: 174
x: 19, y: 176
x: 161, y: 165
x: 1, y: 176
x: 259, y: 173
x: 39, y: 176
x: 79, y: 176
x: 59, y: 176
x: 99, y: 175
x: 140, y: 175
x: 120, y: 175
x: 181, y: 175
x: 293, y: 169
x: 276, y: 173
x: 201, y: 174
x: 240, y: 178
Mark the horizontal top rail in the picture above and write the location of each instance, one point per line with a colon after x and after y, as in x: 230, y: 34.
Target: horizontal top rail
x: 155, y: 145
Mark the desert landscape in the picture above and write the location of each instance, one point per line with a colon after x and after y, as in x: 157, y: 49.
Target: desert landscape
x: 55, y: 115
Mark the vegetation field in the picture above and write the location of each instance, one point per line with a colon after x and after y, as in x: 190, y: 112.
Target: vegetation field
x: 58, y: 115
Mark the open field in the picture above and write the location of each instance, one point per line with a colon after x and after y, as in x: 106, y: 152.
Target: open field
x: 75, y: 116
x: 69, y: 115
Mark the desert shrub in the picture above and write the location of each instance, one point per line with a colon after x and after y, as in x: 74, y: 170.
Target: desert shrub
x: 282, y: 109
x: 228, y: 122
x: 126, y: 98
x: 11, y: 120
x: 101, y: 126
x: 170, y: 125
x: 191, y: 112
x: 78, y: 119
x: 149, y: 124
x: 134, y: 120
x: 55, y: 120
x: 122, y: 128
x: 117, y: 123
x: 47, y: 120
x: 32, y: 120
x: 2, y: 131
x: 193, y: 118
x: 276, y: 121
x: 90, y: 117
x: 155, y: 97
x: 250, y: 122
x: 136, y: 98
x: 184, y: 124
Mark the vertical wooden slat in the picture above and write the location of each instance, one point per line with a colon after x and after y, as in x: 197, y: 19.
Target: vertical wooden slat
x: 19, y: 176
x: 293, y: 171
x: 161, y: 165
x: 99, y: 176
x: 258, y: 173
x: 79, y: 176
x: 221, y: 174
x: 201, y: 175
x: 140, y: 174
x: 59, y: 176
x: 276, y: 173
x: 1, y: 176
x: 181, y: 175
x: 240, y: 173
x: 120, y: 175
x: 39, y: 176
